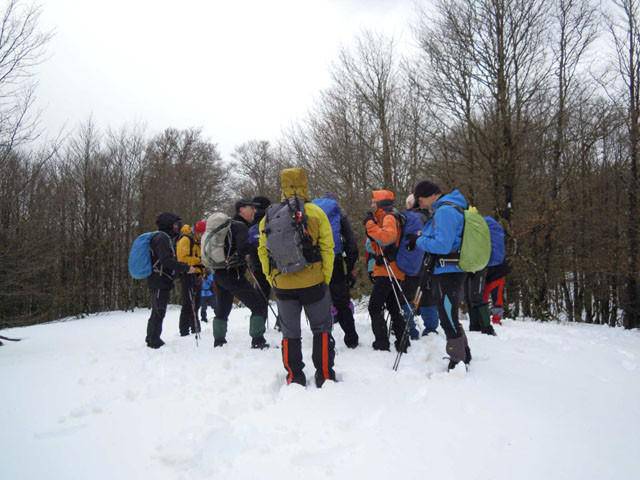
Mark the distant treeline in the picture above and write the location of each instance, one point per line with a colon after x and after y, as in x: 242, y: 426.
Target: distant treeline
x: 512, y: 101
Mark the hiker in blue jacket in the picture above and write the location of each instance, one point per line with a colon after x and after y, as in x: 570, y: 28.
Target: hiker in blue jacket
x: 422, y: 277
x: 343, y: 277
x: 207, y: 295
x: 442, y: 237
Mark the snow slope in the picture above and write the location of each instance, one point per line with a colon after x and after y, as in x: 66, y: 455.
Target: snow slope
x: 85, y: 399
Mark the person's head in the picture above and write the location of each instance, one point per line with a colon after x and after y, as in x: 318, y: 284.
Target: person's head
x: 169, y: 223
x: 246, y: 209
x: 263, y: 203
x: 199, y: 228
x: 382, y: 199
x: 410, y: 202
x: 426, y: 193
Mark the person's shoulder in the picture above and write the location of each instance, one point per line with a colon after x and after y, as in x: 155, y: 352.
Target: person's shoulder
x: 311, y: 209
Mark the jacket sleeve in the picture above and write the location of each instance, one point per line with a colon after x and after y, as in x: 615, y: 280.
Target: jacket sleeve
x: 326, y: 244
x: 263, y: 255
x: 164, y: 253
x: 349, y: 243
x: 439, y: 233
x: 385, y: 234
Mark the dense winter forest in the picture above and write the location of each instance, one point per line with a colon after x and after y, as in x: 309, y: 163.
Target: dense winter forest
x: 530, y: 107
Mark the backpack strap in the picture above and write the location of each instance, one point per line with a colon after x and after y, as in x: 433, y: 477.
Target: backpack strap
x: 452, y: 258
x: 160, y: 271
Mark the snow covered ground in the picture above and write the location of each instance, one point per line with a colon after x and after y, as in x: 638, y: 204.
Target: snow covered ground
x: 85, y: 399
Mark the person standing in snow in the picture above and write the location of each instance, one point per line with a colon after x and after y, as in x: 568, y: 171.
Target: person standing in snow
x: 207, y: 295
x: 188, y: 251
x: 262, y: 203
x: 384, y: 228
x: 296, y: 253
x: 346, y: 256
x: 428, y: 307
x: 442, y: 237
x: 231, y: 281
x: 166, y: 267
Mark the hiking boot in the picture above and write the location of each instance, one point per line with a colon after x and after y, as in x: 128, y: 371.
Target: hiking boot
x: 414, y: 334
x: 381, y: 345
x: 351, y: 341
x: 259, y: 342
x: 319, y: 377
x: 155, y: 344
x: 488, y: 330
x: 184, y: 334
x: 467, y: 355
x: 299, y: 378
x: 218, y: 342
x: 205, y: 320
x: 402, y: 346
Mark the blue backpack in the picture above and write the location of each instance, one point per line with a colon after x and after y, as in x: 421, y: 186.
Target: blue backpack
x: 497, y: 242
x: 140, y: 266
x: 410, y: 262
x: 331, y: 208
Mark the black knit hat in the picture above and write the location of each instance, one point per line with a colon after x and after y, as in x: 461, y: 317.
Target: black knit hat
x: 166, y: 220
x: 425, y: 189
x: 264, y: 202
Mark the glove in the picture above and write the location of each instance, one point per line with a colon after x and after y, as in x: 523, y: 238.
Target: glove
x: 411, y: 245
x: 368, y: 218
x: 351, y: 280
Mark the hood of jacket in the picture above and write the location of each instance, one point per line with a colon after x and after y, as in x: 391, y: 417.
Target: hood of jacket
x: 294, y: 183
x: 165, y: 222
x: 453, y: 197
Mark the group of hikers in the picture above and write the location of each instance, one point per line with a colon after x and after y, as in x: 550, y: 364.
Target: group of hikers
x: 422, y: 262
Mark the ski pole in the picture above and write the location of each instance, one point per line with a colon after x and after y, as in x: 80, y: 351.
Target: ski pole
x: 405, y: 333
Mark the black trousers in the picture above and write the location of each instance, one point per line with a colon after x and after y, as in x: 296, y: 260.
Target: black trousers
x: 190, y: 301
x: 159, y: 300
x: 232, y: 283
x: 383, y: 294
x: 341, y: 299
x: 429, y: 297
x: 448, y: 287
x: 474, y: 296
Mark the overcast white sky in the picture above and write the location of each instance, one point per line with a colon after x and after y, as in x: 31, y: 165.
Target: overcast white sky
x: 240, y: 69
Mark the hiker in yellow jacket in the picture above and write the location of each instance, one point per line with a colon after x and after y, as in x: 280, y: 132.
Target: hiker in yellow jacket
x: 296, y: 254
x: 188, y: 251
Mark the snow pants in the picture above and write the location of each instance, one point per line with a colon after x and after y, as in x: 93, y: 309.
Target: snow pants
x: 384, y: 294
x: 316, y: 302
x: 341, y: 299
x: 232, y: 283
x: 159, y: 301
x: 190, y: 301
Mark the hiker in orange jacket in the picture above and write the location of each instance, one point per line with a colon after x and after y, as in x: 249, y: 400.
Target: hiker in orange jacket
x: 384, y: 228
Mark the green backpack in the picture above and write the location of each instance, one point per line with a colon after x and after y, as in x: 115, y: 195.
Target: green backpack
x: 476, y: 240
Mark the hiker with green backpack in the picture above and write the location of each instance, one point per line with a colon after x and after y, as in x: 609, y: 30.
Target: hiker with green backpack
x: 459, y: 238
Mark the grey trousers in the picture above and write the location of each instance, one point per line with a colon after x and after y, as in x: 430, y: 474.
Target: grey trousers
x: 318, y: 313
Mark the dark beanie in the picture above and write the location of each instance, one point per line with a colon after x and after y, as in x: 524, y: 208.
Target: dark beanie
x: 264, y: 202
x: 425, y: 189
